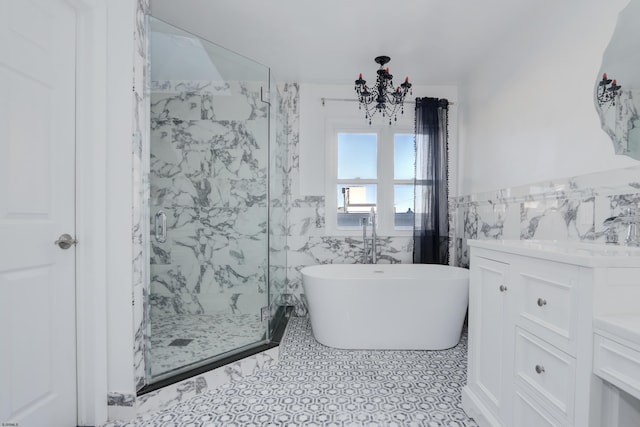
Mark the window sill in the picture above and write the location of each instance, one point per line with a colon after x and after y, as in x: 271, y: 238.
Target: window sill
x: 356, y: 232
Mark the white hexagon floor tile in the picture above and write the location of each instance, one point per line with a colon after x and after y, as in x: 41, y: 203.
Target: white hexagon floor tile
x: 314, y: 385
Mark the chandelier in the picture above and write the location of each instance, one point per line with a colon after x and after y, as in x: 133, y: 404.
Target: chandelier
x: 383, y: 98
x: 607, y: 91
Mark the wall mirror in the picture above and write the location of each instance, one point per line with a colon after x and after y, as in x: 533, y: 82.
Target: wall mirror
x: 621, y: 63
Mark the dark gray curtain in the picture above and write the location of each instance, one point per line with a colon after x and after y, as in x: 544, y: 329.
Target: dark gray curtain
x: 431, y: 226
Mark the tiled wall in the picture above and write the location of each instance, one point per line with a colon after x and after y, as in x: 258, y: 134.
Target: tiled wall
x: 565, y: 209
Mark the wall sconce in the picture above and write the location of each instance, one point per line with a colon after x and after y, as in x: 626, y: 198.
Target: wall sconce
x: 607, y: 91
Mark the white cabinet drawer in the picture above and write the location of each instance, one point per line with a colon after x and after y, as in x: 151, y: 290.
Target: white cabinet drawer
x: 618, y: 364
x: 547, y: 373
x: 548, y: 302
x: 527, y: 413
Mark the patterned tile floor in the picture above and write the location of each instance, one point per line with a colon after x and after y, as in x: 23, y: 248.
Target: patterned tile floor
x: 208, y: 335
x: 314, y: 385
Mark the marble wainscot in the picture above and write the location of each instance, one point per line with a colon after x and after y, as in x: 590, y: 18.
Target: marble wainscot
x: 571, y: 209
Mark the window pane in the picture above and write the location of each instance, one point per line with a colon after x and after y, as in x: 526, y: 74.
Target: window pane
x: 358, y: 199
x: 403, y: 205
x: 404, y: 156
x: 357, y: 156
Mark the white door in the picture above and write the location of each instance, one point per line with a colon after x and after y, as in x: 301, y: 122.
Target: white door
x: 37, y: 205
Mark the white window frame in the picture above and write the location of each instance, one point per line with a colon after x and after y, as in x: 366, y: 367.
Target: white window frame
x: 385, y: 177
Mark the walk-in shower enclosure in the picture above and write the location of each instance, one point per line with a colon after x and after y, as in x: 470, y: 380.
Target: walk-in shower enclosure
x: 213, y: 163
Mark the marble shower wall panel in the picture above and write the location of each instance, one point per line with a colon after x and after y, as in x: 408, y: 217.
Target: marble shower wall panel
x: 280, y: 189
x: 209, y: 177
x: 307, y: 216
x: 140, y: 185
x: 290, y: 107
x: 570, y: 209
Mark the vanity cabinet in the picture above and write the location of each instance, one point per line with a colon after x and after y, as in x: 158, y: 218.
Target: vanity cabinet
x: 492, y: 303
x: 531, y: 307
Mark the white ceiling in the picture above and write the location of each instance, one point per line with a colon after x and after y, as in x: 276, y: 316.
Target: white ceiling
x: 434, y: 42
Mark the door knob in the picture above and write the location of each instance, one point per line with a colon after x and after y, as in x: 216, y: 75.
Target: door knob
x: 65, y: 241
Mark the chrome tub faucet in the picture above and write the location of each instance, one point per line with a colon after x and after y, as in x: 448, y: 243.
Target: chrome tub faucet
x: 374, y: 239
x: 631, y: 219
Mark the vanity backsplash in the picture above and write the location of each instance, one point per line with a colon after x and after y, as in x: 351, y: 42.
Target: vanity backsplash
x: 564, y: 209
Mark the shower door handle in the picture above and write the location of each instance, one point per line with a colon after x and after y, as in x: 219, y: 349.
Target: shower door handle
x: 161, y: 226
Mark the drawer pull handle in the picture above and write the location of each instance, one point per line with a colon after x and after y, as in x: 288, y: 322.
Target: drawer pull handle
x: 542, y: 302
x: 503, y: 288
x: 539, y: 369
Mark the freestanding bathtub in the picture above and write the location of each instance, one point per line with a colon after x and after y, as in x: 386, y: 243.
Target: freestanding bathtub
x: 386, y: 306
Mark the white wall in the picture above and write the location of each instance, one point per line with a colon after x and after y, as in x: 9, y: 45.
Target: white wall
x: 527, y: 111
x: 314, y: 116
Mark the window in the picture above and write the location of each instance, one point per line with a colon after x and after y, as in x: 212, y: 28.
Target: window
x: 404, y: 158
x: 369, y: 168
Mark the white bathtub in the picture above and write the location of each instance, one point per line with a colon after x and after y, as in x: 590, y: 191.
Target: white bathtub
x: 386, y: 306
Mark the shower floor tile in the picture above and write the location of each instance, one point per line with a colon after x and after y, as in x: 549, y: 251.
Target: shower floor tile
x: 314, y: 385
x: 180, y: 340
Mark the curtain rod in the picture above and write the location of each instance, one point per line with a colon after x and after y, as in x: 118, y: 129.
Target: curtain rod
x: 355, y: 100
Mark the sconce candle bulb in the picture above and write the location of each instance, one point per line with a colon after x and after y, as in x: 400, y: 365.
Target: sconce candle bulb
x: 607, y: 91
x: 383, y: 98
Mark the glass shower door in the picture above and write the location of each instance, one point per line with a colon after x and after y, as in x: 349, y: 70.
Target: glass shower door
x: 209, y: 161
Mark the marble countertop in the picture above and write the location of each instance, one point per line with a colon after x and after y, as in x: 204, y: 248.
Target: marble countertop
x: 625, y: 326
x: 585, y: 254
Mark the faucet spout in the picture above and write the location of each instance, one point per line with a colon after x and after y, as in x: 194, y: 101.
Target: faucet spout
x: 631, y: 219
x: 365, y: 250
x: 633, y: 235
